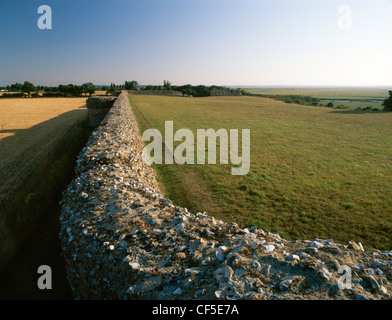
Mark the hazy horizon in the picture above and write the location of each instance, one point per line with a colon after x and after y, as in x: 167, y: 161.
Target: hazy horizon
x: 248, y: 43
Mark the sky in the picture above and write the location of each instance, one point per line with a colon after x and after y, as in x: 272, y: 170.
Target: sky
x: 210, y: 42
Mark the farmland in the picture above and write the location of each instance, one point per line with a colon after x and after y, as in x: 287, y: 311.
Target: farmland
x: 350, y: 97
x: 29, y: 128
x: 315, y: 172
x: 39, y: 142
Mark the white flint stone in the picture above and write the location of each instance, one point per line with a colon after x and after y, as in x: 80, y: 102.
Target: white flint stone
x: 134, y: 265
x: 178, y: 291
x: 268, y: 247
x: 316, y: 244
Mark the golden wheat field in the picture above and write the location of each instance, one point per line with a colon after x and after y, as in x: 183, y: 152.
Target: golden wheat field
x: 29, y: 128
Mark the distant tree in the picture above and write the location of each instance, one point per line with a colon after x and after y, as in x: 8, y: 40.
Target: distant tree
x: 70, y: 90
x: 106, y: 89
x: 28, y: 88
x: 110, y: 90
x: 16, y: 87
x: 167, y: 85
x: 387, y: 104
x: 188, y: 90
x: 330, y: 104
x: 88, y: 88
x: 131, y: 85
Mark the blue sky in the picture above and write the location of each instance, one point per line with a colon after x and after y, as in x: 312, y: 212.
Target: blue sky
x: 222, y: 42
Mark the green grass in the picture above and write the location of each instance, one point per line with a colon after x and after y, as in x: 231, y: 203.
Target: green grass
x: 358, y: 97
x: 327, y: 93
x: 315, y: 172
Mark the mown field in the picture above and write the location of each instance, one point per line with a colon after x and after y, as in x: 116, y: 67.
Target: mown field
x: 28, y: 130
x: 315, y: 172
x: 349, y: 97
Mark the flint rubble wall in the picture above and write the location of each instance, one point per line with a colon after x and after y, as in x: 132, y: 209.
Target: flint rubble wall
x: 122, y: 239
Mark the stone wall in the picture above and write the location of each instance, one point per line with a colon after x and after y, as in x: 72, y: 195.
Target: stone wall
x: 97, y: 108
x: 122, y: 239
x: 223, y: 92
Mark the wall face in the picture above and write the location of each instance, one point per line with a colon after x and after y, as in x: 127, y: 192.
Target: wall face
x: 122, y: 239
x: 236, y: 93
x: 97, y: 108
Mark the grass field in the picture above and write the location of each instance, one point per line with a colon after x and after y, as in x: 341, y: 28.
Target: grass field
x: 352, y: 97
x: 28, y: 129
x: 315, y: 172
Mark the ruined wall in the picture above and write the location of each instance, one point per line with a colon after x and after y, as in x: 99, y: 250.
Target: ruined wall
x: 223, y: 92
x: 122, y: 239
x: 97, y: 108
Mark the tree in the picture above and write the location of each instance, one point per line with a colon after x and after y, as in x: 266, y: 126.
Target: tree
x: 16, y: 87
x: 387, y: 104
x: 28, y: 88
x: 131, y: 85
x: 110, y: 90
x: 167, y: 85
x: 88, y: 88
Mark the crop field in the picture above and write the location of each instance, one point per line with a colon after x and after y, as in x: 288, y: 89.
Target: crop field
x: 349, y: 97
x: 315, y: 172
x: 29, y: 128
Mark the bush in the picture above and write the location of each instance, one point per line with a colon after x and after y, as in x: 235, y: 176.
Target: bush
x: 341, y: 107
x: 53, y: 94
x: 387, y: 104
x: 13, y: 95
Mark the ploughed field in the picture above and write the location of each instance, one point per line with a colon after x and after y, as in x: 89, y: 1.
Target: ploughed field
x: 314, y: 173
x: 29, y: 128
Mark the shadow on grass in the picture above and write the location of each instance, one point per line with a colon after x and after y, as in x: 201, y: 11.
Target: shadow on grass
x: 30, y: 216
x: 16, y: 162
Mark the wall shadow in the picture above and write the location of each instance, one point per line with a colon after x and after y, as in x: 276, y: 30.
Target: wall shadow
x: 16, y: 160
x: 33, y: 229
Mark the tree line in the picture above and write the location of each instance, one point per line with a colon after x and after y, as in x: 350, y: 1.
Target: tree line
x: 70, y: 90
x: 387, y: 104
x: 313, y: 101
x: 187, y: 89
x: 30, y: 90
